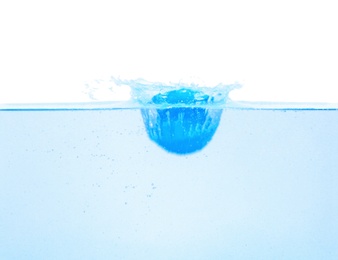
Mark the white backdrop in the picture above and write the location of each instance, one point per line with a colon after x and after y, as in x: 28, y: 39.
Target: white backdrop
x: 278, y: 50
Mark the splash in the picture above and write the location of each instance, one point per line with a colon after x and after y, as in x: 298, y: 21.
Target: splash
x: 182, y: 117
x: 107, y: 90
x: 139, y: 93
x: 142, y: 92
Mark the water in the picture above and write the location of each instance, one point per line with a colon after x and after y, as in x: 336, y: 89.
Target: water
x: 92, y: 184
x: 178, y: 171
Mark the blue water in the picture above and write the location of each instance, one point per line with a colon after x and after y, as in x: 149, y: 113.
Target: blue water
x: 177, y: 172
x: 93, y: 184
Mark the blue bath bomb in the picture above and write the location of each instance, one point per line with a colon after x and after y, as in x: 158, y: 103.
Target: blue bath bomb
x: 183, y: 126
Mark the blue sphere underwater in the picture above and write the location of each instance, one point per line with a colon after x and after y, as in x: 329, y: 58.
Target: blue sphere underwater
x: 182, y: 127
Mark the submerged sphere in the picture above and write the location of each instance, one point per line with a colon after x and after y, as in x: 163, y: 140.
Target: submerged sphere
x: 183, y: 126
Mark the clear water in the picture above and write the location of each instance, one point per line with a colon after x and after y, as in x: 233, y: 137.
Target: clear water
x: 92, y: 184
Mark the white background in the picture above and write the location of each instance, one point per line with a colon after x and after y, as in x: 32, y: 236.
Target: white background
x: 278, y: 50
